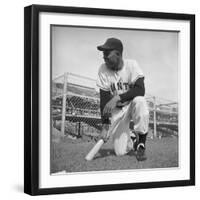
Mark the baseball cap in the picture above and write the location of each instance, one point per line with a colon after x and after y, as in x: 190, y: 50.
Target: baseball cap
x: 111, y: 44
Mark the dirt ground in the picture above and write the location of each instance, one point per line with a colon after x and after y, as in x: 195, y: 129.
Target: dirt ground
x: 68, y: 155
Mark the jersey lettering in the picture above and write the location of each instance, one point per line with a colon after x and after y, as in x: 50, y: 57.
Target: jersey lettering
x: 119, y: 86
x: 112, y: 87
x: 126, y: 86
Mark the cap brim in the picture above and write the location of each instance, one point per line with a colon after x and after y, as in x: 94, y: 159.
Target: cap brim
x: 103, y: 48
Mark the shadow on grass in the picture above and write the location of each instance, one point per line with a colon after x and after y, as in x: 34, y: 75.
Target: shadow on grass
x: 110, y: 152
x: 131, y: 153
x: 104, y: 153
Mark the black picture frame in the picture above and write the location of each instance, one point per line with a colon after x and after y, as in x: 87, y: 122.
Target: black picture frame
x: 31, y: 98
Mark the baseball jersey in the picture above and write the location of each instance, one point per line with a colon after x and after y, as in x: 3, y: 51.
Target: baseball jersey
x: 118, y: 82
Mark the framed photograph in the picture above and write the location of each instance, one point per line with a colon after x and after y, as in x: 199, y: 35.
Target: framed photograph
x: 109, y: 99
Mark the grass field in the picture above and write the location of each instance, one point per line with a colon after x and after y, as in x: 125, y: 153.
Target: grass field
x: 68, y: 155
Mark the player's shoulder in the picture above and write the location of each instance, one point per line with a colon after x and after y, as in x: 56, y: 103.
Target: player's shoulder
x: 131, y: 64
x: 133, y: 68
x: 103, y: 68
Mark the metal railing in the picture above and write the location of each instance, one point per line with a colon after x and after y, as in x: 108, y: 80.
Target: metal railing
x: 75, y: 103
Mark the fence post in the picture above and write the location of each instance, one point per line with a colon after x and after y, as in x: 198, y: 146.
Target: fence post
x: 79, y: 129
x: 64, y: 105
x: 154, y: 117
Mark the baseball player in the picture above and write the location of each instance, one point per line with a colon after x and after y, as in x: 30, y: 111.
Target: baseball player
x: 122, y: 90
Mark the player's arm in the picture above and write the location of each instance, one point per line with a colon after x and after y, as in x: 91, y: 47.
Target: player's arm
x: 105, y: 97
x: 138, y: 89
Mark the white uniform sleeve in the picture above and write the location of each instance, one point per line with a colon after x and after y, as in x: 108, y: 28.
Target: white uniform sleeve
x: 136, y: 71
x: 102, y: 79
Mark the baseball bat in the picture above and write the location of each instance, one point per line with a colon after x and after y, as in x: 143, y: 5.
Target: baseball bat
x: 98, y: 145
x: 94, y: 150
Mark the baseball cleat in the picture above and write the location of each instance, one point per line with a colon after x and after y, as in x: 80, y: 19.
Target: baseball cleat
x: 140, y: 154
x: 134, y: 140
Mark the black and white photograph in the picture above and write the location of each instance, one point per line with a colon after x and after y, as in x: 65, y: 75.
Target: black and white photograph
x: 114, y: 99
x: 110, y: 100
x: 104, y: 98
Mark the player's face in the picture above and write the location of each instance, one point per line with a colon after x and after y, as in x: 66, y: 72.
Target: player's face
x: 112, y: 59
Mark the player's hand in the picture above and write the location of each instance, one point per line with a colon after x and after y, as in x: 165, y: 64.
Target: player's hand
x: 105, y: 133
x: 120, y: 104
x: 109, y: 107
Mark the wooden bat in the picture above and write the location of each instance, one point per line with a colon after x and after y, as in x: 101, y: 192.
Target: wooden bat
x: 94, y: 150
x: 98, y: 145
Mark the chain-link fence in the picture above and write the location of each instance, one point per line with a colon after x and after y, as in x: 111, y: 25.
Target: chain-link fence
x: 76, y: 109
x: 81, y: 115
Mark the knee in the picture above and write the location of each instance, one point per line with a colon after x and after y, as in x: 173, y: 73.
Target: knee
x: 120, y: 143
x: 120, y: 152
x: 139, y: 100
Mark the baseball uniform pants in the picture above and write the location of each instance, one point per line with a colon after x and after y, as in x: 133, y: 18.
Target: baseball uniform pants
x: 136, y: 110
